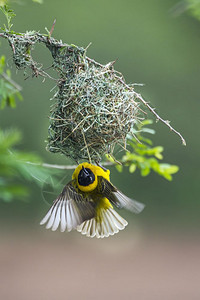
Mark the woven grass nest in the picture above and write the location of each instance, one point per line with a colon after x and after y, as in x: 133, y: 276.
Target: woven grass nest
x: 93, y: 111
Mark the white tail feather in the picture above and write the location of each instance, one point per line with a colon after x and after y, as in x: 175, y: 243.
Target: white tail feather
x: 111, y: 223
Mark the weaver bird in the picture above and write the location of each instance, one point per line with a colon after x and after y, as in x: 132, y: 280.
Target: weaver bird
x: 86, y: 204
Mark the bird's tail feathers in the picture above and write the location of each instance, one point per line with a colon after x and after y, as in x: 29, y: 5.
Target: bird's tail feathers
x: 109, y: 224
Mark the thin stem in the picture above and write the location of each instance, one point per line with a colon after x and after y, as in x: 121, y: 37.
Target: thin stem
x: 166, y: 122
x: 64, y: 167
x: 52, y: 28
x: 86, y: 147
x: 12, y: 82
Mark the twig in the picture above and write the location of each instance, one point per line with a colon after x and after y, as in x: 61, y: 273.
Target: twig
x: 60, y: 167
x: 88, y: 46
x: 64, y: 167
x: 86, y: 147
x: 52, y: 28
x: 12, y: 82
x: 166, y: 122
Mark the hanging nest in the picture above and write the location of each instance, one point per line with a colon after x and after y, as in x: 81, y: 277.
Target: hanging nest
x: 93, y: 108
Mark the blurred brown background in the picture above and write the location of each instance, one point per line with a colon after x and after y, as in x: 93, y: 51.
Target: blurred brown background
x: 158, y: 255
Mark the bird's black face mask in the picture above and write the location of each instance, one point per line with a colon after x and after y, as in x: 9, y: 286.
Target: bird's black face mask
x: 86, y: 177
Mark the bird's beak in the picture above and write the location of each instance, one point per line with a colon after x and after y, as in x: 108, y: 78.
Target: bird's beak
x: 85, y: 172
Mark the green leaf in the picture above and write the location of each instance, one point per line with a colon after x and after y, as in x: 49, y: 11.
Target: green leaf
x: 146, y: 122
x: 145, y: 140
x: 148, y: 130
x: 2, y: 63
x: 193, y: 6
x: 145, y: 167
x: 38, y: 1
x: 145, y: 171
x: 170, y: 169
x: 165, y: 170
x: 19, y: 96
x: 109, y: 158
x: 132, y: 168
x: 9, y: 138
x: 119, y: 168
x: 131, y: 157
x: 3, y: 2
x: 11, y: 101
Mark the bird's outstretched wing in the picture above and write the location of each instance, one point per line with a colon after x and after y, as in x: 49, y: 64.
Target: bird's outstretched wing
x: 69, y: 210
x: 117, y: 198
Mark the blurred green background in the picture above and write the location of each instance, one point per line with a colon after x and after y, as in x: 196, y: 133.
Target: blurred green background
x: 153, y: 46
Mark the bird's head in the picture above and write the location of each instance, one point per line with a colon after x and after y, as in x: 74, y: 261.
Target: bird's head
x: 86, y: 177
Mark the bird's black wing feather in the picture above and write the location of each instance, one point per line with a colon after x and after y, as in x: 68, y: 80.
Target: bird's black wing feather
x: 117, y: 198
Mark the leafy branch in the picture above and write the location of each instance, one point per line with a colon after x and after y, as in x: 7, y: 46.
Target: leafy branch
x: 14, y: 167
x: 144, y: 156
x: 9, y: 89
x: 9, y: 14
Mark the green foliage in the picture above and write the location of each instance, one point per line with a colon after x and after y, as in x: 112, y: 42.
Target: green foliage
x: 9, y: 14
x: 38, y: 1
x: 144, y: 156
x: 190, y: 6
x: 16, y: 165
x: 3, y: 2
x: 9, y: 89
x: 193, y: 6
x: 6, y: 2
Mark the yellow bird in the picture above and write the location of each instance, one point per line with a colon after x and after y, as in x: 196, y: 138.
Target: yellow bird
x: 86, y: 204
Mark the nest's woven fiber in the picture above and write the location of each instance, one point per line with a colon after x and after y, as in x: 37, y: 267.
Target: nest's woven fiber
x: 93, y: 109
